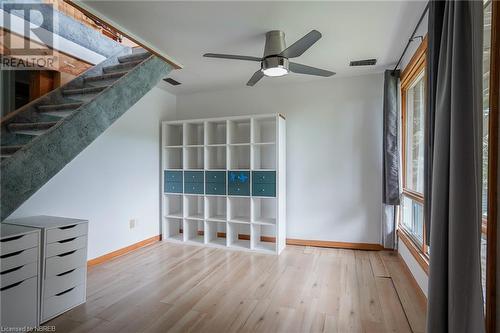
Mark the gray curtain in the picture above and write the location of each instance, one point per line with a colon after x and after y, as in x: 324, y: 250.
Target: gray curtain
x: 391, y: 191
x: 455, y: 302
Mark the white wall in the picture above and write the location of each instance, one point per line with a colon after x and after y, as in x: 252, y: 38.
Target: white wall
x: 114, y: 180
x: 415, y: 269
x: 334, y: 150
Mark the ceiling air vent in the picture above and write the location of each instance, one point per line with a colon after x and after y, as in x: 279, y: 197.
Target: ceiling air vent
x: 171, y: 81
x: 366, y: 62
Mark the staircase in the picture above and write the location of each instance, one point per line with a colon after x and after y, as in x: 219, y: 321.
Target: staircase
x: 39, y: 139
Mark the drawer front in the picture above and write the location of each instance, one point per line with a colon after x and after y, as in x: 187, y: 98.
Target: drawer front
x: 63, y: 301
x: 64, y: 281
x: 215, y: 176
x: 65, y: 262
x: 173, y: 176
x: 194, y: 177
x: 19, y: 306
x: 75, y: 230
x: 19, y: 258
x: 239, y: 189
x: 18, y: 274
x: 173, y: 187
x: 264, y: 190
x: 238, y: 177
x: 65, y: 245
x: 264, y: 177
x: 18, y: 243
x: 216, y: 188
x: 194, y: 188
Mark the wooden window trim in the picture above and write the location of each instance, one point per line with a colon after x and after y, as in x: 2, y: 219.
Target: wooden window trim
x: 493, y: 158
x: 421, y: 258
x: 410, y: 73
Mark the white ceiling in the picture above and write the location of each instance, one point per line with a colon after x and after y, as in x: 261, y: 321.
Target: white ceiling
x: 186, y: 30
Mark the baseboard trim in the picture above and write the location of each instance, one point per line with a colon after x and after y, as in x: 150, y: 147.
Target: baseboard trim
x: 289, y: 241
x: 335, y: 245
x: 122, y: 251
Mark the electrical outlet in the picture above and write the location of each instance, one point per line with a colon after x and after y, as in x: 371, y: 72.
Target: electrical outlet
x: 132, y: 224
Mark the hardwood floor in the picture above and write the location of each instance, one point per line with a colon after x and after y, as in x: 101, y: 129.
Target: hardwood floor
x: 177, y: 288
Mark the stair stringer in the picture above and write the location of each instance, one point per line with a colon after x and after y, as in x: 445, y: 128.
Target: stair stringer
x: 36, y: 163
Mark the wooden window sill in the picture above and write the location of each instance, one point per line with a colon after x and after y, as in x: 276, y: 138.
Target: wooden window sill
x: 420, y: 257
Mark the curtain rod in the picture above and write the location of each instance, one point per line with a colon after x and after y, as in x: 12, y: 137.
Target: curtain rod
x: 411, y: 38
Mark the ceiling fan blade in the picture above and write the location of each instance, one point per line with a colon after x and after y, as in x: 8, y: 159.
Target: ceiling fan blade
x: 255, y: 78
x: 303, y: 69
x: 231, y: 56
x: 300, y: 46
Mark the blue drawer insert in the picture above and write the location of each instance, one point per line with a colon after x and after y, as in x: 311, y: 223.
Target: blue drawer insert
x: 215, y: 177
x: 238, y: 183
x: 173, y: 176
x: 216, y: 188
x: 193, y: 177
x: 173, y: 187
x: 193, y: 188
x: 263, y: 177
x: 264, y: 190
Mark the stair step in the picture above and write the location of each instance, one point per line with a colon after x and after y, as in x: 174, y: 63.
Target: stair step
x: 59, y: 107
x: 9, y: 150
x: 133, y: 57
x: 121, y: 67
x: 33, y: 129
x: 105, y: 77
x: 84, y: 91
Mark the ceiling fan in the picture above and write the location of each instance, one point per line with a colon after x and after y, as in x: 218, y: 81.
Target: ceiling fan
x: 275, y: 60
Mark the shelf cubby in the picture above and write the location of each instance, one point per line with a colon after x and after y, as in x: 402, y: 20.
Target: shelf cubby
x: 215, y: 233
x: 263, y: 238
x: 194, y: 134
x: 174, y: 229
x: 194, y: 207
x: 238, y: 235
x: 239, y: 131
x: 216, y: 132
x: 264, y: 130
x: 215, y: 157
x: 239, y: 157
x: 173, y: 158
x: 216, y: 208
x: 264, y: 211
x: 173, y: 135
x: 174, y: 205
x: 193, y: 158
x: 193, y: 231
x: 264, y: 157
x: 239, y: 210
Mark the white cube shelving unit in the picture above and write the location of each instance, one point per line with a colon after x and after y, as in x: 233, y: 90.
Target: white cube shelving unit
x: 245, y: 144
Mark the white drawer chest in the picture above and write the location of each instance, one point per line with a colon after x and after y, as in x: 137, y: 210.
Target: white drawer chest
x: 64, y: 262
x: 19, y: 276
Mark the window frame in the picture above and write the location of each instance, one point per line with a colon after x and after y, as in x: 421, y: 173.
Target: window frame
x: 409, y: 75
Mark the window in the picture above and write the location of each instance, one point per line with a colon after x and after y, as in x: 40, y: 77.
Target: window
x: 413, y: 103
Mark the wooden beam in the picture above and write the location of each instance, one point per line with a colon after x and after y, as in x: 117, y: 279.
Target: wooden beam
x: 92, y: 14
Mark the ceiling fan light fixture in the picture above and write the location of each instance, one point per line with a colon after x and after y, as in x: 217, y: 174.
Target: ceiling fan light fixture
x: 275, y: 71
x: 275, y: 66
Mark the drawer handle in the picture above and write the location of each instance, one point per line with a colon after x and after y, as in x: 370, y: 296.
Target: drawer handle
x: 11, y: 238
x: 67, y: 227
x: 12, y: 270
x: 11, y: 254
x: 11, y: 286
x: 65, y: 273
x: 67, y: 240
x: 64, y: 292
x: 67, y: 253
